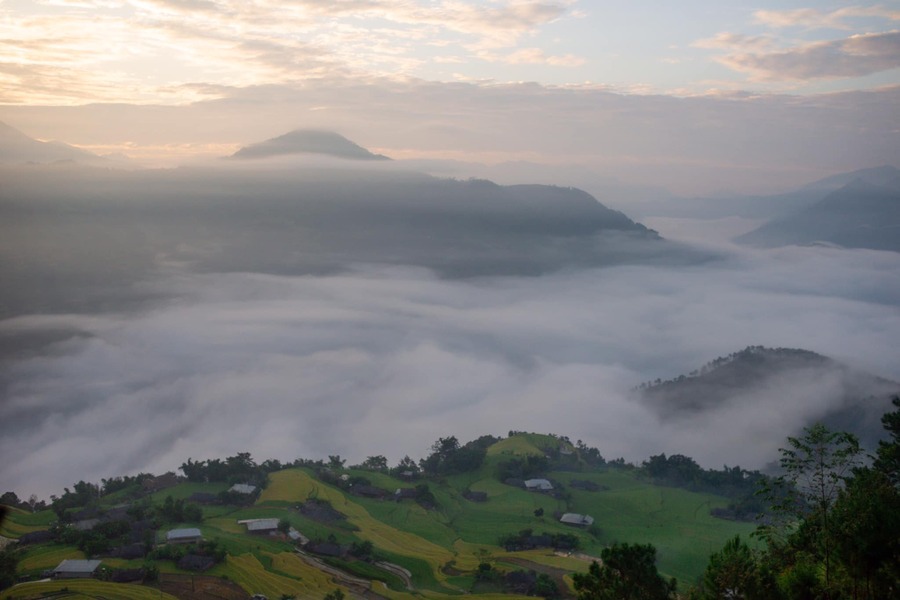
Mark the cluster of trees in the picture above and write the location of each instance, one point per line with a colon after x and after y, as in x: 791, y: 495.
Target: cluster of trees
x: 32, y: 504
x: 627, y: 572
x: 99, y: 540
x: 523, y: 467
x: 526, y: 540
x: 239, y: 468
x: 448, y: 457
x: 528, y: 583
x: 208, y: 548
x: 179, y: 511
x: 733, y: 482
x: 837, y: 531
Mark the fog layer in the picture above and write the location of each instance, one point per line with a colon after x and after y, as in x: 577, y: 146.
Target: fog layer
x: 383, y: 360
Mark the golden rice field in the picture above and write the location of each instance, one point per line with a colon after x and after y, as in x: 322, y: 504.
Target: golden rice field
x: 83, y: 589
x: 250, y: 574
x: 48, y: 557
x: 295, y: 485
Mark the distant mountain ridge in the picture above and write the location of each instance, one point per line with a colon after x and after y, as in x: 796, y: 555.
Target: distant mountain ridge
x: 861, y: 214
x: 307, y: 141
x: 17, y: 147
x: 766, y: 207
x: 857, y: 402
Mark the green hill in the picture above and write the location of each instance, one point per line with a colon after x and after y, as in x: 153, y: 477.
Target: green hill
x: 435, y: 546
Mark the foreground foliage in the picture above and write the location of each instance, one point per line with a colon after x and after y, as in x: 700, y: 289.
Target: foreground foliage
x: 628, y: 572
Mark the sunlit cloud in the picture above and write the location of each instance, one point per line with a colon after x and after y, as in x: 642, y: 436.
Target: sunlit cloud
x: 855, y: 56
x: 813, y: 18
x: 93, y: 45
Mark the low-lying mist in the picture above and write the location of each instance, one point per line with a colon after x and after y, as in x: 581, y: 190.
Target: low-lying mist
x: 386, y: 360
x: 190, y: 342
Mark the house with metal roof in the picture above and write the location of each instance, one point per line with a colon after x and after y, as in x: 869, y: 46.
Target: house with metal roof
x: 242, y: 488
x: 260, y: 526
x: 577, y: 520
x: 189, y: 535
x: 76, y: 569
x: 538, y: 485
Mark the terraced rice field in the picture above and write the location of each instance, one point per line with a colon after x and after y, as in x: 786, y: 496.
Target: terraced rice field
x: 248, y: 572
x: 47, y: 557
x: 83, y: 589
x: 295, y: 485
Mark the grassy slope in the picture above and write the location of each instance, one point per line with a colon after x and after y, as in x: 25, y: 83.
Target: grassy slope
x: 19, y: 522
x: 460, y: 532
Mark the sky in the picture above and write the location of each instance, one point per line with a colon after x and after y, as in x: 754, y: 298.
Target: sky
x: 641, y: 91
x: 381, y: 352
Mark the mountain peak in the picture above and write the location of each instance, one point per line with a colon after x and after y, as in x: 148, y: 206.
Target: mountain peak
x: 308, y: 141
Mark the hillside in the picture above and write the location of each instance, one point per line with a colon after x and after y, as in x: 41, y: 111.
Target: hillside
x: 18, y: 148
x: 857, y: 215
x: 433, y: 547
x: 289, y: 222
x: 855, y: 400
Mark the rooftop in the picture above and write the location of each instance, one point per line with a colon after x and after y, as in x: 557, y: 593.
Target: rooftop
x: 260, y: 524
x: 180, y: 534
x: 71, y: 565
x: 539, y: 484
x: 242, y: 488
x: 576, y: 519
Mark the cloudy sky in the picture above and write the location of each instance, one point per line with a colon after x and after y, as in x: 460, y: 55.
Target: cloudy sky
x: 641, y: 91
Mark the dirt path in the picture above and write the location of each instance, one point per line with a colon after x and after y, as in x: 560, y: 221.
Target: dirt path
x: 399, y: 571
x: 360, y: 588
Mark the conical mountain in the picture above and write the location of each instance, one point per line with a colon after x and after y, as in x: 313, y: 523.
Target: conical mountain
x: 308, y: 141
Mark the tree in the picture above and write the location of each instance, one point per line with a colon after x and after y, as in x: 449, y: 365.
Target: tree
x: 334, y: 595
x: 628, y: 573
x: 888, y: 457
x: 375, y: 463
x: 733, y: 572
x: 335, y: 462
x: 816, y: 467
x: 866, y: 530
x: 284, y: 526
x: 9, y: 560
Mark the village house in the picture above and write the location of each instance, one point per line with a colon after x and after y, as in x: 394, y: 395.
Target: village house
x: 190, y: 535
x: 260, y: 526
x: 76, y: 569
x: 538, y: 485
x: 577, y: 520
